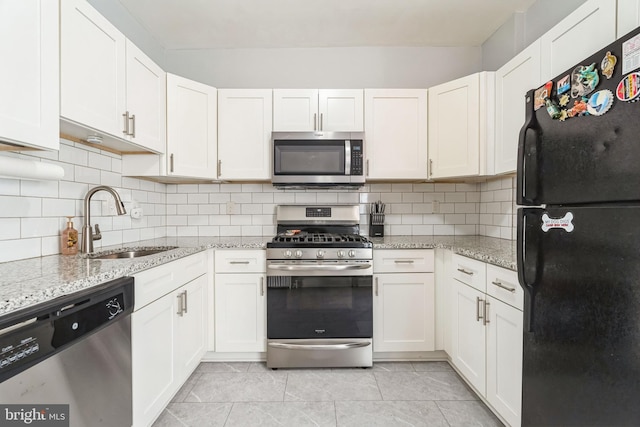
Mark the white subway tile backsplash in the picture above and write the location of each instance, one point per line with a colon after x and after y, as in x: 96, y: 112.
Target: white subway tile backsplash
x: 11, y: 250
x: 443, y: 230
x: 99, y: 161
x: 196, y: 199
x: 13, y: 206
x: 455, y: 197
x: 10, y: 187
x: 230, y: 230
x: 412, y: 198
x: 86, y: 174
x: 73, y: 155
x: 188, y: 188
x: 262, y: 197
x: 241, y: 197
x: 40, y: 227
x: 249, y: 209
x: 9, y: 228
x: 39, y: 188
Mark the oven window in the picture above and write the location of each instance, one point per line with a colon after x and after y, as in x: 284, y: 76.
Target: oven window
x: 319, y: 307
x: 308, y: 158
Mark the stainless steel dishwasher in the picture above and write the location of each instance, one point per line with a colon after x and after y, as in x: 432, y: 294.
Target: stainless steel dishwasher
x: 73, y: 350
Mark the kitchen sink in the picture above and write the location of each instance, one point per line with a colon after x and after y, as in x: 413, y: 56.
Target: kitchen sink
x: 130, y: 253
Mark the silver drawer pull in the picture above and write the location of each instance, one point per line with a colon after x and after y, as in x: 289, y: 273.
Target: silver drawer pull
x: 403, y: 261
x: 503, y: 286
x: 238, y: 262
x: 462, y: 270
x: 341, y: 346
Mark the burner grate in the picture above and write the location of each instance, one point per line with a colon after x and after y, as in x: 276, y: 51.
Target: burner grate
x: 320, y: 238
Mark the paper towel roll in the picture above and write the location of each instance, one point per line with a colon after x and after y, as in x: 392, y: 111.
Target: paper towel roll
x: 12, y: 167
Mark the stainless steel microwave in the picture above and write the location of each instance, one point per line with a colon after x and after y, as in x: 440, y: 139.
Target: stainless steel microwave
x: 318, y: 159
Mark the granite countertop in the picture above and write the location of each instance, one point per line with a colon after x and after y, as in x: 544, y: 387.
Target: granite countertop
x: 31, y: 281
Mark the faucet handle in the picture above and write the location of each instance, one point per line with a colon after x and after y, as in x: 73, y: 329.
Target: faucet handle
x: 96, y: 234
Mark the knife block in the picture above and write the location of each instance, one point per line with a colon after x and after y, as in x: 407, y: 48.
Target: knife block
x: 376, y: 225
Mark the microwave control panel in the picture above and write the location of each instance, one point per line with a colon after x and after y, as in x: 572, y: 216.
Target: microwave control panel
x: 356, y: 158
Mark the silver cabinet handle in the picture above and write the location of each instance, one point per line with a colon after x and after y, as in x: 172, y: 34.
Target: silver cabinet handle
x: 503, y: 286
x: 467, y: 272
x: 238, y: 262
x: 319, y: 267
x: 485, y: 321
x: 321, y: 124
x: 315, y: 121
x: 342, y: 346
x: 133, y: 125
x: 430, y: 167
x: 184, y: 300
x: 403, y: 261
x: 262, y: 286
x: 171, y: 163
x: 219, y: 168
x: 478, y: 301
x: 125, y: 115
x: 376, y: 286
x: 367, y: 171
x: 180, y: 304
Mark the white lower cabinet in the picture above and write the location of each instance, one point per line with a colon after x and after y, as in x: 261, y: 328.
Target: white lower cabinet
x: 486, y: 333
x: 167, y: 334
x: 240, y: 301
x: 404, y: 301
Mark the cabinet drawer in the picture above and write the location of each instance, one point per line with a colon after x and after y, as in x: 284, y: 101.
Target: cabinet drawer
x: 470, y: 271
x: 403, y: 261
x: 240, y: 261
x: 158, y: 281
x: 503, y: 284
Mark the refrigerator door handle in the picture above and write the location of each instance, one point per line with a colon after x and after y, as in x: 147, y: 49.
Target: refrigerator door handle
x: 528, y: 251
x: 527, y: 177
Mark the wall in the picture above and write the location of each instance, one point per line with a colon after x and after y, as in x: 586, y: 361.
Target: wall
x: 325, y: 68
x: 33, y: 212
x: 522, y: 29
x: 498, y: 208
x: 194, y: 210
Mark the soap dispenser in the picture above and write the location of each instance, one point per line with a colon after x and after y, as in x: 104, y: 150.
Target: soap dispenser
x: 69, y: 239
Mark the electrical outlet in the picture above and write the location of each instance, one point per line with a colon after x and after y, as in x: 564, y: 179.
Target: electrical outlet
x: 231, y: 208
x: 435, y: 206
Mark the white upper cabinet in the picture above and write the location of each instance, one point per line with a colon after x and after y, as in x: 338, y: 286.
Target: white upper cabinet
x: 396, y: 133
x: 317, y: 110
x: 513, y: 80
x: 29, y: 110
x: 461, y: 114
x: 191, y: 128
x: 244, y: 127
x: 588, y: 29
x: 628, y: 16
x: 108, y: 86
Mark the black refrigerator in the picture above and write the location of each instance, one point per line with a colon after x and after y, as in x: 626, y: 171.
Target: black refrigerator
x: 579, y: 243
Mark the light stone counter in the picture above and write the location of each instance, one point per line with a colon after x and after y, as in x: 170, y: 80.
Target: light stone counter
x: 31, y: 281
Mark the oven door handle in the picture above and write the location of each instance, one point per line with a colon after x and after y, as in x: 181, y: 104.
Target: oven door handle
x: 319, y: 267
x: 340, y: 346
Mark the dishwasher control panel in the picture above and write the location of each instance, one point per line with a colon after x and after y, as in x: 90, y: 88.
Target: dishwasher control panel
x: 24, y: 346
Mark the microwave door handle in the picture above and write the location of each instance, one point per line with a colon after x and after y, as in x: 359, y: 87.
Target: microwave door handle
x: 319, y: 267
x: 347, y: 157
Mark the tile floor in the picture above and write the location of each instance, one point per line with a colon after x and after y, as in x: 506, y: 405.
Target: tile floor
x: 389, y: 394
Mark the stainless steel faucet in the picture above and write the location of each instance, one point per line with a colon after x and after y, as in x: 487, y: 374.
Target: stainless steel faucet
x: 88, y: 236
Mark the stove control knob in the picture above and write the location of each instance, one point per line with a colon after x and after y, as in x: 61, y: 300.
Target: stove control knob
x: 287, y: 253
x: 340, y: 254
x: 352, y: 254
x: 320, y: 254
x: 298, y: 254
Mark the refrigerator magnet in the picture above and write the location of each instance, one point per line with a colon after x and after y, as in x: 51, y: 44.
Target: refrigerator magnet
x: 584, y: 80
x: 563, y: 85
x: 631, y: 54
x: 579, y: 108
x: 564, y: 100
x: 600, y: 102
x: 565, y: 222
x: 541, y: 94
x: 629, y: 88
x: 608, y: 65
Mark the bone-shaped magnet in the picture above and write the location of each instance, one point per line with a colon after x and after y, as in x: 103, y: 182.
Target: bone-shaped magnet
x: 564, y: 222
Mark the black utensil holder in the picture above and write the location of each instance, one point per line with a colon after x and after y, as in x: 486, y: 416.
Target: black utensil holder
x: 376, y: 225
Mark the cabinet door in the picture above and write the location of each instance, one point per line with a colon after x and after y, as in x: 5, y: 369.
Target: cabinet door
x: 395, y: 123
x: 444, y: 299
x: 146, y: 100
x: 190, y: 326
x: 513, y: 80
x: 404, y: 312
x: 191, y: 128
x: 240, y: 312
x: 504, y: 360
x: 469, y: 334
x: 628, y: 16
x: 295, y: 110
x: 29, y: 76
x: 92, y: 64
x: 244, y: 133
x: 454, y: 128
x: 574, y: 38
x: 152, y: 344
x: 341, y: 110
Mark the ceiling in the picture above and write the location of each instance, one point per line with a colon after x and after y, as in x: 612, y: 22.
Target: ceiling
x: 229, y: 24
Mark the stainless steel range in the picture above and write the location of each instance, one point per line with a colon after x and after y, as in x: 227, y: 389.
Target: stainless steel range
x: 319, y: 289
